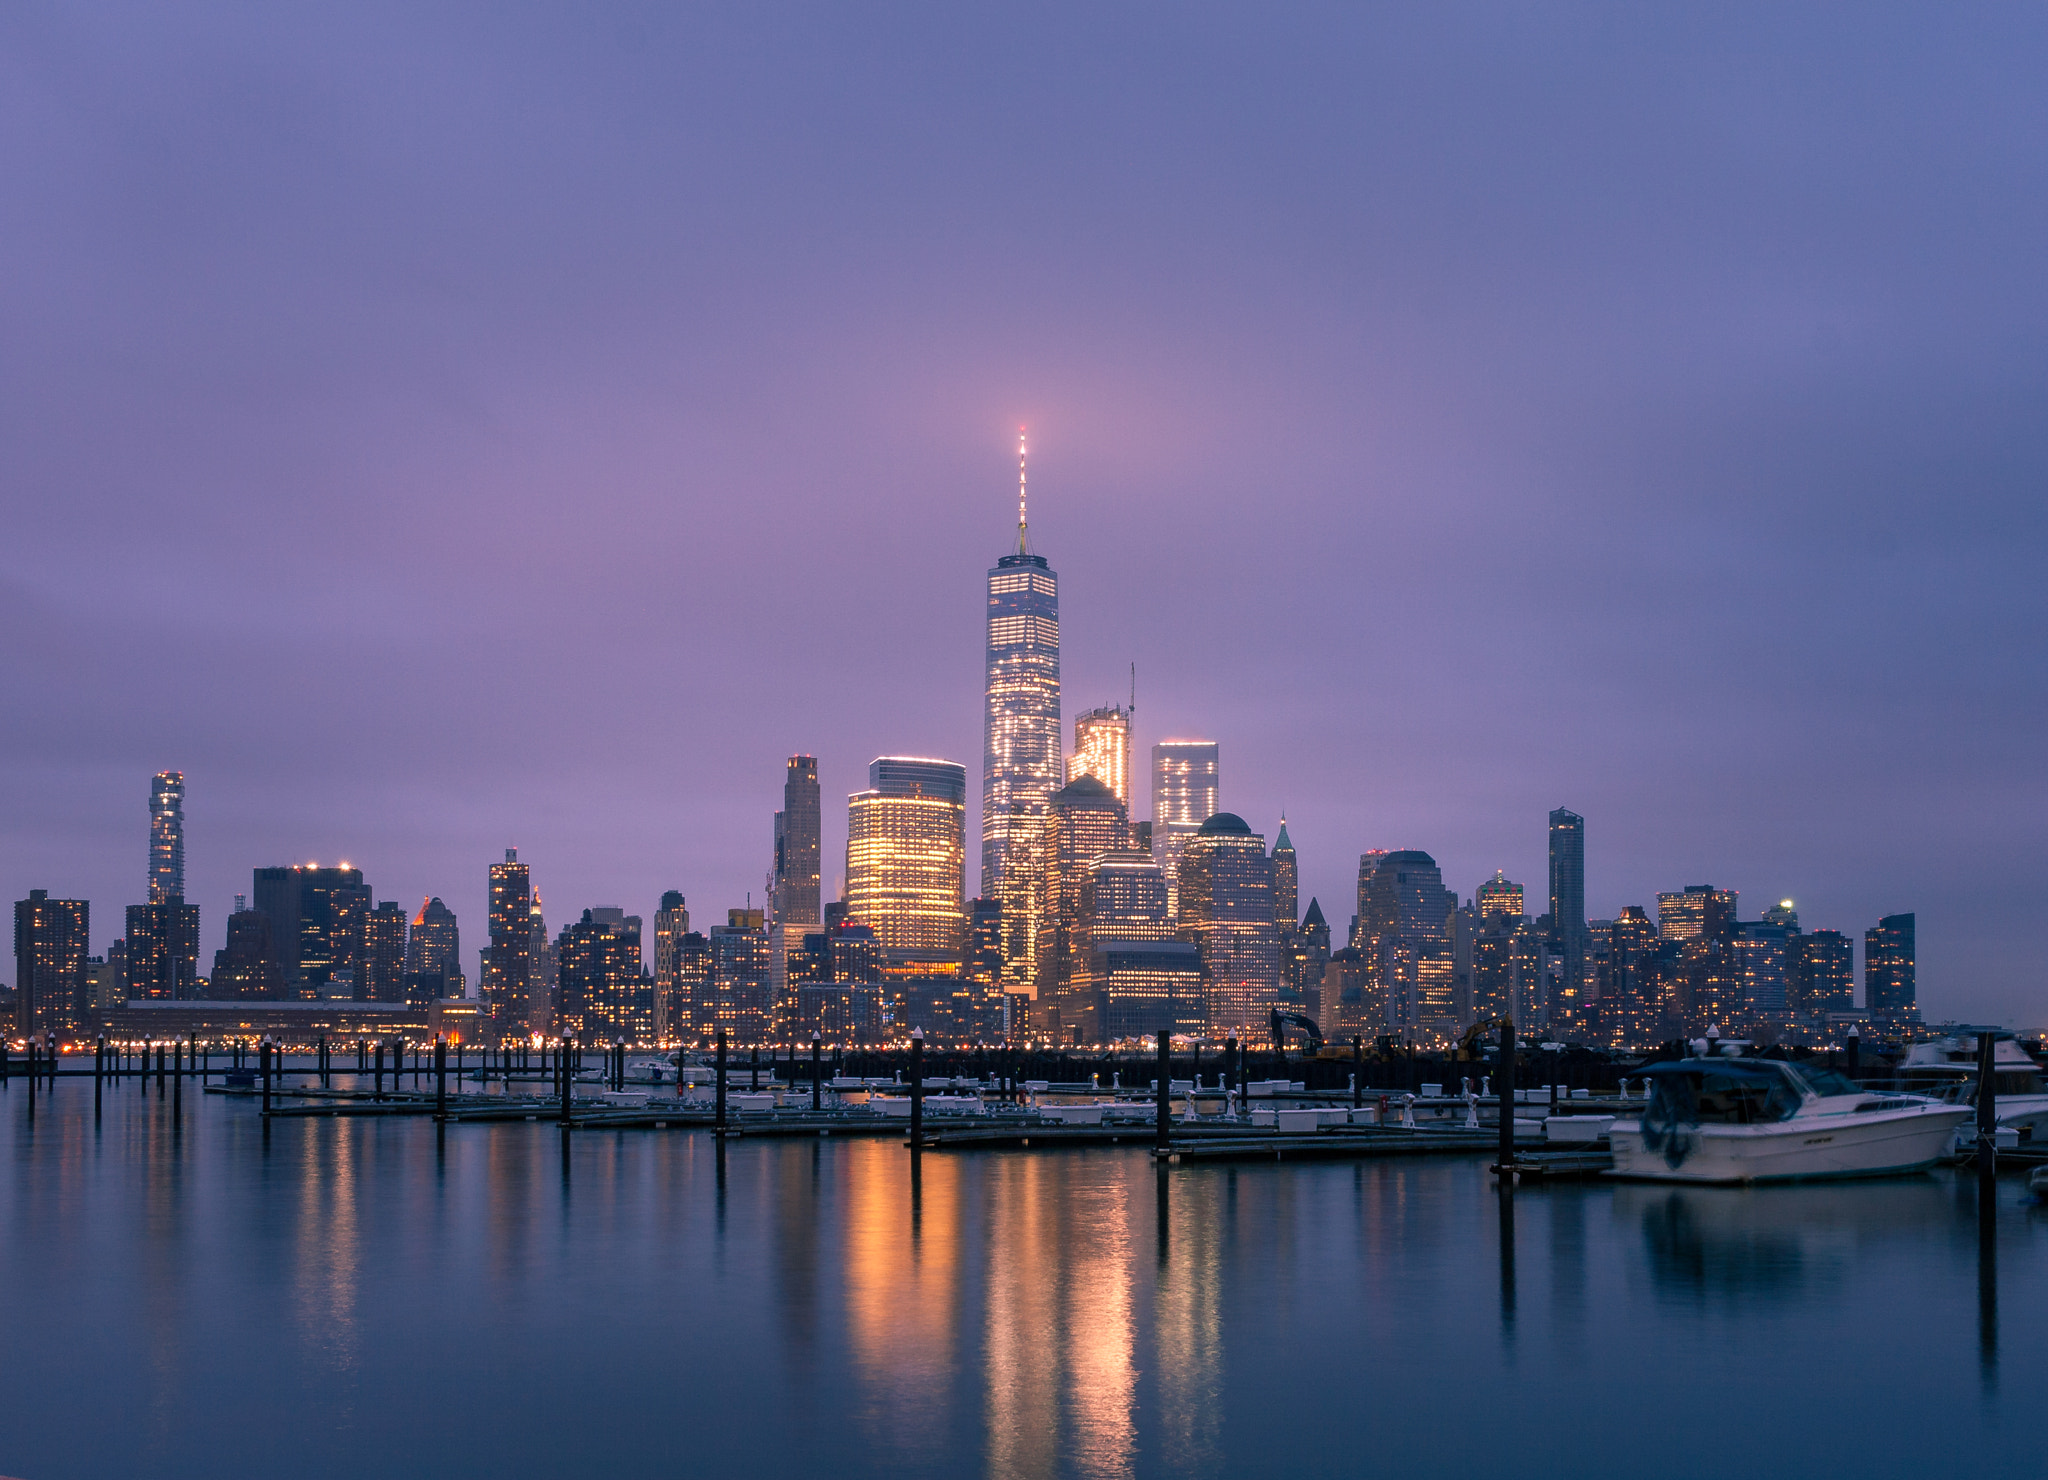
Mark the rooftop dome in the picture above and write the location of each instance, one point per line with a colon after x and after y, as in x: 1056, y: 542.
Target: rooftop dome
x: 1225, y: 822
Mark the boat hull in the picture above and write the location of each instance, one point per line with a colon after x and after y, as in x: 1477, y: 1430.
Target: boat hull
x: 1805, y: 1147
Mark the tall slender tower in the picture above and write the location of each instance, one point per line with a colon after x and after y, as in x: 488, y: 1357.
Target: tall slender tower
x: 796, y: 845
x: 167, y: 838
x: 508, y: 965
x: 1568, y: 897
x: 1020, y: 759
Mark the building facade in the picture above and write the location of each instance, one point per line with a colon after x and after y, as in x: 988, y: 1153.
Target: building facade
x: 1890, y: 989
x: 1102, y: 749
x: 162, y: 951
x: 167, y: 838
x: 508, y: 962
x: 1226, y: 912
x: 52, y: 939
x: 1021, y: 718
x: 1187, y: 790
x: 905, y: 857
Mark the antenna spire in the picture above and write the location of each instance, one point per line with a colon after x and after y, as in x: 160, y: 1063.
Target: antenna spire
x: 1020, y: 492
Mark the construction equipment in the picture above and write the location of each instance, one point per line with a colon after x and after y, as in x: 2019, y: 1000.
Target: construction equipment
x: 1284, y: 1020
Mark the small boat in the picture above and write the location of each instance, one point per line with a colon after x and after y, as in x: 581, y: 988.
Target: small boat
x: 1946, y: 1069
x: 1737, y: 1120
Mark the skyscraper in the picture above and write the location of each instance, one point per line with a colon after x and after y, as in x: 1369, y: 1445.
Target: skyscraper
x: 1404, y: 928
x: 317, y: 920
x: 1102, y: 749
x: 167, y: 837
x: 1020, y: 759
x: 797, y: 832
x: 1568, y: 900
x: 51, y: 943
x: 163, y: 950
x: 1499, y: 895
x: 246, y: 966
x: 434, y: 949
x: 1890, y: 992
x: 905, y: 856
x: 1186, y: 792
x: 599, y: 976
x: 671, y: 924
x: 508, y: 964
x: 382, y: 976
x: 1084, y: 820
x: 1286, y: 881
x: 1226, y: 912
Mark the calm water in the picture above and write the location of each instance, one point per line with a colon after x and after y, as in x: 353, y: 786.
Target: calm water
x: 363, y: 1298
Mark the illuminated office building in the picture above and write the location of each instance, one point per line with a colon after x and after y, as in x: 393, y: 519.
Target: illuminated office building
x: 1499, y: 896
x: 1021, y: 746
x: 1404, y: 927
x: 1568, y: 927
x: 1102, y: 749
x: 797, y: 831
x: 163, y: 951
x: 601, y: 994
x: 671, y: 925
x: 1186, y: 791
x: 1631, y: 1004
x: 1226, y: 912
x: 1700, y: 910
x: 738, y: 996
x: 543, y: 974
x: 1286, y: 882
x: 905, y: 857
x: 508, y: 963
x: 318, y: 918
x: 1890, y: 992
x: 246, y: 966
x: 1084, y: 821
x: 167, y: 838
x: 433, y: 952
x: 1822, y: 975
x: 1134, y: 978
x: 1368, y: 861
x: 382, y: 974
x: 52, y: 938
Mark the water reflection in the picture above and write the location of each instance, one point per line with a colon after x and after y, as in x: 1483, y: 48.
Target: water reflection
x: 1735, y: 1244
x: 699, y: 1305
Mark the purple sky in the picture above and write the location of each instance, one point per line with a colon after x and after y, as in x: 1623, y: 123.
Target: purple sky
x: 439, y: 431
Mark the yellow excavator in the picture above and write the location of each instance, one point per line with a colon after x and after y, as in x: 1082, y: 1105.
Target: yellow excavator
x: 1472, y: 1046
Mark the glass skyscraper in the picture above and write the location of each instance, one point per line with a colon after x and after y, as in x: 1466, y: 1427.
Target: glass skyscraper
x: 508, y: 964
x: 1102, y: 749
x: 167, y: 838
x: 1020, y: 758
x: 905, y: 861
x: 1186, y: 792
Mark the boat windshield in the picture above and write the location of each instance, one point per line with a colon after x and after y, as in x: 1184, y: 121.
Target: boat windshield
x: 1722, y: 1094
x: 1827, y: 1081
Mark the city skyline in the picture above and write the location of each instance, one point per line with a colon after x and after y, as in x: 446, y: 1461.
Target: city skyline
x: 1693, y: 492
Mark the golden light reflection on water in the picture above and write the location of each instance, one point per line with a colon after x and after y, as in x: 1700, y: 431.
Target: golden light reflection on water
x: 902, y: 1287
x: 326, y: 1249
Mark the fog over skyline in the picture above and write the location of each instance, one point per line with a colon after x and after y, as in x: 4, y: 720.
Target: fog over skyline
x: 437, y: 429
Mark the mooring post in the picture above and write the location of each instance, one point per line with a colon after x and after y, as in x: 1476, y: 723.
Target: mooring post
x: 718, y: 1089
x: 916, y: 1089
x: 177, y: 1074
x: 1507, y: 1098
x: 817, y: 1079
x: 1855, y: 1051
x: 1163, y: 1131
x: 265, y: 1053
x: 161, y: 1054
x: 1987, y: 1109
x: 1357, y: 1072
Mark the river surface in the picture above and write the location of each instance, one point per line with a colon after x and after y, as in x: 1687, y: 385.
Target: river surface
x: 184, y: 1294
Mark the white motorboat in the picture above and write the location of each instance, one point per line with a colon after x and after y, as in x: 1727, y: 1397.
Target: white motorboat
x: 1946, y: 1069
x: 1762, y: 1120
